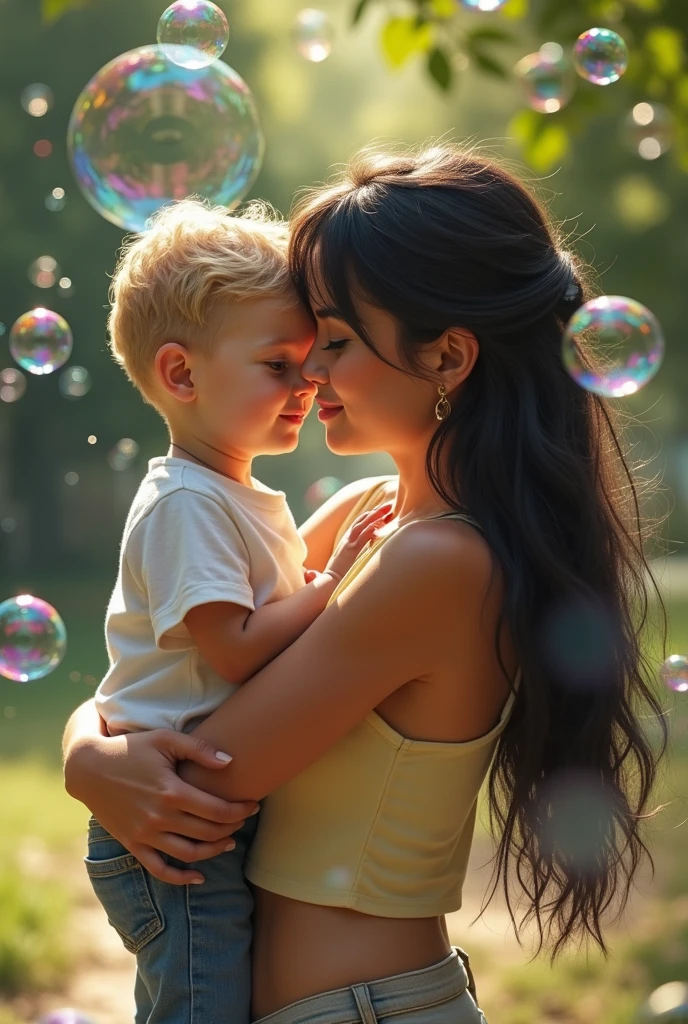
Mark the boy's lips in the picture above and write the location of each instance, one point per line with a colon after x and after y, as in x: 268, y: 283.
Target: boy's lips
x: 293, y: 417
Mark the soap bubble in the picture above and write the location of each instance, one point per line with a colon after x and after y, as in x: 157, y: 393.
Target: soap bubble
x: 37, y: 99
x: 600, y: 56
x: 482, y: 5
x: 623, y: 341
x: 146, y: 131
x: 75, y: 382
x: 321, y: 490
x: 123, y: 454
x: 313, y: 34
x: 674, y: 673
x: 40, y: 341
x: 65, y: 1016
x: 546, y: 79
x: 43, y: 272
x: 649, y: 130
x: 33, y: 638
x: 197, y: 30
x: 12, y: 384
x: 669, y: 1002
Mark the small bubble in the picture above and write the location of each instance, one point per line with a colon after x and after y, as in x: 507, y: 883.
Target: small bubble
x: 37, y: 99
x: 123, y: 454
x: 75, y: 677
x: 58, y: 193
x: 313, y: 34
x: 91, y: 438
x: 12, y: 384
x: 40, y: 340
x: 71, y: 478
x: 90, y: 680
x: 42, y: 148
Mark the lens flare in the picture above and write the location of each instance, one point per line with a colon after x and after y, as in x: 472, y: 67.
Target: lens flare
x: 321, y: 490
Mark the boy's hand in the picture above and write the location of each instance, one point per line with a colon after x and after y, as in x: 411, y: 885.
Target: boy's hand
x: 361, y: 532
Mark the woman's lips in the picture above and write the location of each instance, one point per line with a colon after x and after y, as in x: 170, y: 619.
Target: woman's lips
x: 328, y: 412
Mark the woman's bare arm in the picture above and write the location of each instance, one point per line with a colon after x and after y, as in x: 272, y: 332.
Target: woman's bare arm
x: 417, y: 599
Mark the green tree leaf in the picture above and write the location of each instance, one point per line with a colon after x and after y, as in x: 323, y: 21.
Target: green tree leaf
x: 515, y: 9
x: 443, y: 8
x: 403, y: 37
x: 548, y: 147
x: 439, y: 67
x: 488, y: 64
x: 51, y: 10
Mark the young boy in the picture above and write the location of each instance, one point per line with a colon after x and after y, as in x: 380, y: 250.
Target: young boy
x: 211, y: 582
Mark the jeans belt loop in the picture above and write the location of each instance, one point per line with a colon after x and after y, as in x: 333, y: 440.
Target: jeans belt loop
x: 365, y: 1006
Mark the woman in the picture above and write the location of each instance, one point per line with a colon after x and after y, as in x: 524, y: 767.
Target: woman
x: 440, y: 293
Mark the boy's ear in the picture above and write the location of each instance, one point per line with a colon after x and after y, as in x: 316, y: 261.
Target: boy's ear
x: 173, y: 371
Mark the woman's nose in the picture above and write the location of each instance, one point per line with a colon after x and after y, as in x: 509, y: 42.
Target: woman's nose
x: 313, y: 367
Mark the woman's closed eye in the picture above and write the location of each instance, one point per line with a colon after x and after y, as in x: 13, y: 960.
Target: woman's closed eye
x: 335, y: 343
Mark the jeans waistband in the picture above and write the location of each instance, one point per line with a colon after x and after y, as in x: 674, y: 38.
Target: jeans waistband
x: 413, y: 990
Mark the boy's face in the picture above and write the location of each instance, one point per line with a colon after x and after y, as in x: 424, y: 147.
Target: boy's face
x: 251, y: 398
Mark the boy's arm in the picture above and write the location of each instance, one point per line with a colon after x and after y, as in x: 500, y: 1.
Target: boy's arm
x: 320, y: 530
x: 237, y: 642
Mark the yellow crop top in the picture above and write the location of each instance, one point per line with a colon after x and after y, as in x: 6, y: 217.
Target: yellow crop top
x: 381, y: 824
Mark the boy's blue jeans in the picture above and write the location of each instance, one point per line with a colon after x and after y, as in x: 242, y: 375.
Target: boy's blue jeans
x: 192, y: 942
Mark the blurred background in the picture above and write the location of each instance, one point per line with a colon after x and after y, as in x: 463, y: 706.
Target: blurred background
x: 396, y: 72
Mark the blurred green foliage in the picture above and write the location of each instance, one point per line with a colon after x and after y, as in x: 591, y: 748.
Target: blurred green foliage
x: 623, y: 214
x: 450, y: 39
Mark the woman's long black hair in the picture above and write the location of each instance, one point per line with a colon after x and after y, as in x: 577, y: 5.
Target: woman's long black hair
x: 440, y: 237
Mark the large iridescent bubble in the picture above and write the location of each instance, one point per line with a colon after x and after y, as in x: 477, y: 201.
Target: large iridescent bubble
x: 146, y: 131
x: 546, y: 79
x: 33, y: 638
x: 199, y: 27
x: 600, y: 56
x: 40, y: 341
x: 613, y: 346
x: 674, y: 673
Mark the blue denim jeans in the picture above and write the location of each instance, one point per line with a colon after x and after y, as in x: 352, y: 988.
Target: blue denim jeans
x: 441, y: 994
x: 191, y: 942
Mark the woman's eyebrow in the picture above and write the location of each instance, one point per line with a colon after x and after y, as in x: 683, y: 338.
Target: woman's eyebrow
x: 325, y: 311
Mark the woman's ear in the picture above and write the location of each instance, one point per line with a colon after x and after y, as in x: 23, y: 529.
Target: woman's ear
x: 456, y: 354
x: 173, y: 371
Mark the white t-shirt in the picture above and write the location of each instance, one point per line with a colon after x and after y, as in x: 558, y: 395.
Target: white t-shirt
x: 191, y: 536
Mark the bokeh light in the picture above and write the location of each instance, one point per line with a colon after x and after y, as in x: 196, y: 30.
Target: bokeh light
x: 37, y: 99
x: 8, y: 524
x: 75, y: 382
x: 92, y: 439
x: 33, y: 638
x: 42, y: 147
x: 123, y: 454
x: 66, y: 1015
x: 40, y: 341
x: 56, y: 200
x: 600, y: 56
x: 578, y: 642
x: 546, y: 79
x: 146, y: 131
x: 71, y: 478
x: 43, y: 272
x: 197, y: 31
x: 613, y: 346
x: 313, y: 34
x: 482, y: 5
x: 12, y: 384
x: 649, y: 130
x: 321, y: 490
x: 674, y: 673
x: 667, y: 1003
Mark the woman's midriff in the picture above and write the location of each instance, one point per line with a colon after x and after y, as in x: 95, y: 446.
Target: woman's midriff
x: 300, y: 949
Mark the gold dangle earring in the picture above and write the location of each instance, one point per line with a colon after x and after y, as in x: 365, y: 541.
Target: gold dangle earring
x: 443, y: 407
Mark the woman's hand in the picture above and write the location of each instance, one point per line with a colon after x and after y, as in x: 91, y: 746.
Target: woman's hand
x: 131, y: 786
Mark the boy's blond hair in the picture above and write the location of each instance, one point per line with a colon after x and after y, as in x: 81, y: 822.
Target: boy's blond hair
x: 168, y: 278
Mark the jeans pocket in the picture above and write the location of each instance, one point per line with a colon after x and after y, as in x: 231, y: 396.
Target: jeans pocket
x: 119, y: 881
